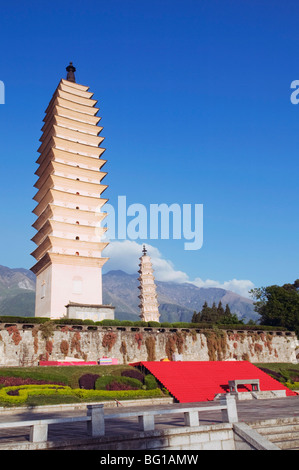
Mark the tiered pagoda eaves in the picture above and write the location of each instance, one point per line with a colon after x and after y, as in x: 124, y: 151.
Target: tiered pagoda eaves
x: 69, y: 202
x: 149, y: 308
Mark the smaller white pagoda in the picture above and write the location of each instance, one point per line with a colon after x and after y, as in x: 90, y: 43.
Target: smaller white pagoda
x: 149, y: 308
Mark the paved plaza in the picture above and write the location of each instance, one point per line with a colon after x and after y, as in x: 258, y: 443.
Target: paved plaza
x: 248, y: 411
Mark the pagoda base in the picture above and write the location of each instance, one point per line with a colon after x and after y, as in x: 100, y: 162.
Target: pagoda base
x: 90, y: 312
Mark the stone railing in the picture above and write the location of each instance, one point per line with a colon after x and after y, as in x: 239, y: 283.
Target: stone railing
x: 95, y: 418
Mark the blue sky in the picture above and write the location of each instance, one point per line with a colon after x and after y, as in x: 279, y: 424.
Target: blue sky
x: 195, y: 100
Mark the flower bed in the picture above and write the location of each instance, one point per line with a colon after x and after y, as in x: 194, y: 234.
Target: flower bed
x: 12, y: 381
x: 18, y: 395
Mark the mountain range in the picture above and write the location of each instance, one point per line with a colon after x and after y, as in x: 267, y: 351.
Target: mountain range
x: 177, y: 301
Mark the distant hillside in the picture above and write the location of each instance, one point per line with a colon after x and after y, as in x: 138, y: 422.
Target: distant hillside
x: 17, y: 292
x: 177, y: 301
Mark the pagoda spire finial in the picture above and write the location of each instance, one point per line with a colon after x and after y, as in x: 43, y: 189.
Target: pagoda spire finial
x: 71, y: 72
x: 144, y: 250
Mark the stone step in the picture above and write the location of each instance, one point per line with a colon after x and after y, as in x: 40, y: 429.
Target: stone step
x: 286, y: 428
x: 288, y: 444
x: 284, y: 433
x: 282, y: 436
x: 284, y: 439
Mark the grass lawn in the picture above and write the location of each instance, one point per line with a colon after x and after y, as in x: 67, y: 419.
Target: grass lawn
x: 40, y: 400
x: 282, y: 371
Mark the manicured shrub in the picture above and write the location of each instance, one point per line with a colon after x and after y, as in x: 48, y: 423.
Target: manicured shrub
x: 13, y: 319
x: 140, y: 323
x: 150, y: 382
x: 116, y: 385
x: 134, y: 374
x: 154, y: 324
x: 292, y: 386
x: 181, y: 325
x: 87, y: 381
x: 127, y: 323
x: 103, y: 382
x: 108, y: 322
x: 88, y: 322
x: 68, y: 321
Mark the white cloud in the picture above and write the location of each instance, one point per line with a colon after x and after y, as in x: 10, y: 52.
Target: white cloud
x: 239, y: 286
x: 124, y: 255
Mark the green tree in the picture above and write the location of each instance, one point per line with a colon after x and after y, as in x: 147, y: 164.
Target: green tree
x: 230, y: 318
x: 214, y: 314
x: 209, y: 314
x: 214, y: 309
x: 196, y: 317
x: 278, y: 305
x: 227, y: 312
x: 220, y: 310
x: 204, y: 312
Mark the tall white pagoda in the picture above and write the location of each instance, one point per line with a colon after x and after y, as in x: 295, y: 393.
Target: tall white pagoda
x: 69, y: 207
x: 149, y: 308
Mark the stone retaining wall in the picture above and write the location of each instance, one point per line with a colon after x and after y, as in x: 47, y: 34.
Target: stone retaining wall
x: 27, y: 344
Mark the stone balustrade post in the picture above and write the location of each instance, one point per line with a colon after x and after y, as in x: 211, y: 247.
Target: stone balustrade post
x: 146, y: 422
x: 230, y: 413
x: 191, y: 418
x: 38, y: 433
x: 96, y: 426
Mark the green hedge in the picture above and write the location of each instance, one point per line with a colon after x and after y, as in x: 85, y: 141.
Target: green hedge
x: 26, y: 391
x: 292, y: 386
x: 117, y: 394
x: 12, y: 319
x: 72, y: 321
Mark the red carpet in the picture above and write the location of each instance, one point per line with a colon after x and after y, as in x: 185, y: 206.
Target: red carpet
x: 201, y: 381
